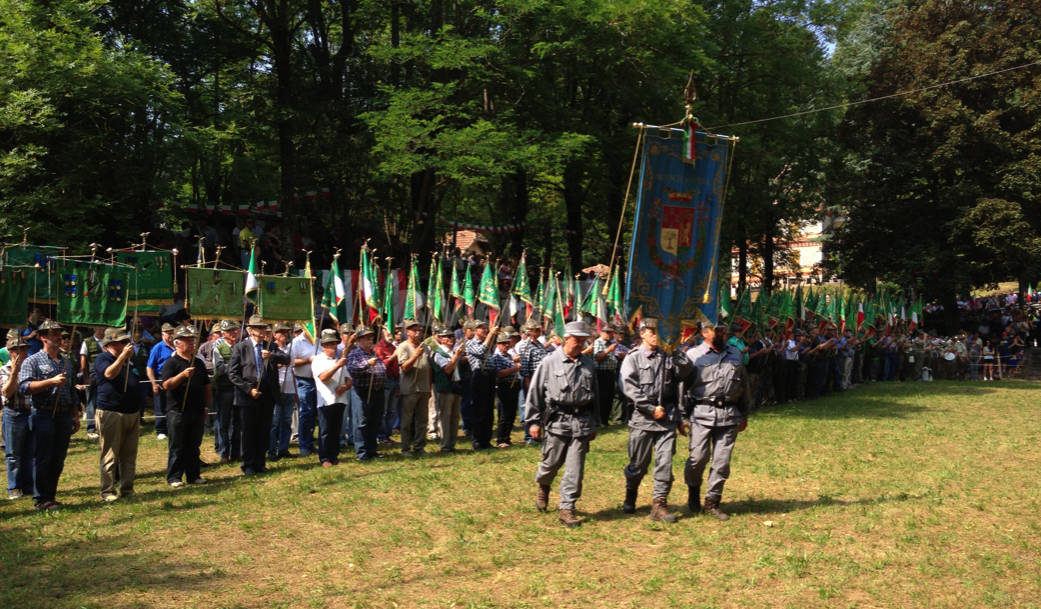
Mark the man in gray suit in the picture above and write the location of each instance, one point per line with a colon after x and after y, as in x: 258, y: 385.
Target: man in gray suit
x: 717, y: 402
x: 650, y: 378
x: 253, y: 370
x: 562, y: 402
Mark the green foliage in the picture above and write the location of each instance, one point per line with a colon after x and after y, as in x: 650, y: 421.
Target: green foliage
x: 939, y: 183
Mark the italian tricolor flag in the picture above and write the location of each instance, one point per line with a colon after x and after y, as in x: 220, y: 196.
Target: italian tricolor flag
x: 690, y: 129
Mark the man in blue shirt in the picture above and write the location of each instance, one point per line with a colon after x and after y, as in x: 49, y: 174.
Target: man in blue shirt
x: 156, y: 358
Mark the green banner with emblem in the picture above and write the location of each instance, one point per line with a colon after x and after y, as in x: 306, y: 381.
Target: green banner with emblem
x: 285, y: 298
x: 15, y: 284
x: 154, y: 284
x: 43, y: 288
x: 92, y: 293
x: 214, y: 293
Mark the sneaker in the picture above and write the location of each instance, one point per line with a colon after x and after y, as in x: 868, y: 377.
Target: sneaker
x: 160, y: 436
x: 199, y: 480
x: 92, y: 436
x: 327, y: 463
x: 14, y: 494
x: 176, y: 484
x: 109, y: 498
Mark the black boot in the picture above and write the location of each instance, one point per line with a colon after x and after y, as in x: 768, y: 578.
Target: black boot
x: 629, y: 505
x: 694, y: 499
x: 712, y: 507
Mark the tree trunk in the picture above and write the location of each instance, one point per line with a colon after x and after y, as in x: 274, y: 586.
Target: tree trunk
x: 768, y: 264
x: 742, y: 261
x: 573, y: 200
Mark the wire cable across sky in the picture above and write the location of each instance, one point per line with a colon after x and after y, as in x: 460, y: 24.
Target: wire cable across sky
x: 875, y: 99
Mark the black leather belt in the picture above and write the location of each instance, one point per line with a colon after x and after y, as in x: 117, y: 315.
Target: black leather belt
x: 576, y: 409
x: 717, y: 403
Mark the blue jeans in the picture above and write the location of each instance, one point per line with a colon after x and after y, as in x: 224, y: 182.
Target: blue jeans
x: 366, y: 417
x: 159, y: 402
x: 18, y: 448
x: 50, y: 445
x: 281, y: 423
x: 391, y: 408
x: 349, y: 427
x: 307, y: 395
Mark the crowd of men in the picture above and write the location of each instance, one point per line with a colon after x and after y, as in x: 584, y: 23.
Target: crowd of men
x: 260, y: 387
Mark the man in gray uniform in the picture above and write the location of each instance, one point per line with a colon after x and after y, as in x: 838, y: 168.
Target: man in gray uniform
x: 562, y: 401
x: 649, y: 378
x: 716, y: 400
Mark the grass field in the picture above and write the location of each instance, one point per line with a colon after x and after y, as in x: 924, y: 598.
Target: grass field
x: 895, y: 495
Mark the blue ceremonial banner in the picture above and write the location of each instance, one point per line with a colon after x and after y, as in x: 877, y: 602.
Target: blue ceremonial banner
x: 672, y: 261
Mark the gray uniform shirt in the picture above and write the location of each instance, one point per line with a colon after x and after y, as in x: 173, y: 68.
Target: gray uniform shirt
x: 649, y: 379
x: 559, y: 387
x: 718, y: 378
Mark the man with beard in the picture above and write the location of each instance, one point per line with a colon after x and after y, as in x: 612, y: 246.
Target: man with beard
x: 717, y: 403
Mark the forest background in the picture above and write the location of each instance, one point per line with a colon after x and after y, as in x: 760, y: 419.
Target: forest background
x: 118, y: 117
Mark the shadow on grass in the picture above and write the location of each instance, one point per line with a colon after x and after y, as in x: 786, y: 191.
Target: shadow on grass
x: 752, y: 506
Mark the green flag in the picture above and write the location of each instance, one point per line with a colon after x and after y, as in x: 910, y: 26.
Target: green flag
x: 335, y: 291
x: 436, y: 287
x: 412, y: 303
x: 521, y: 287
x: 592, y: 299
x: 614, y: 297
x: 370, y: 286
x: 558, y: 310
x: 388, y: 299
x: 488, y: 292
x: 744, y: 315
x: 468, y: 290
x: 309, y: 328
x: 284, y: 298
x: 93, y: 293
x: 44, y: 285
x: 213, y: 293
x: 724, y: 309
x: 252, y: 284
x: 454, y: 290
x: 16, y: 283
x: 540, y: 293
x: 153, y: 283
x: 550, y: 300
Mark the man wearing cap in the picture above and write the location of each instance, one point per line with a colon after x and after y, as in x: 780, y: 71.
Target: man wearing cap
x: 17, y: 438
x: 154, y: 369
x: 414, y: 387
x: 650, y: 379
x: 604, y: 352
x: 716, y: 401
x: 282, y: 419
x: 530, y: 358
x: 385, y: 349
x: 448, y: 382
x: 47, y: 379
x: 187, y: 402
x: 303, y: 353
x: 463, y: 336
x: 253, y: 371
x: 507, y: 386
x: 349, y: 429
x: 482, y: 384
x: 227, y: 437
x: 369, y: 374
x: 118, y: 408
x: 333, y: 385
x: 562, y: 405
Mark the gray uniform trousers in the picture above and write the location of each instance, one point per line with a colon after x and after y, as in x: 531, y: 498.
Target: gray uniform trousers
x: 705, y: 441
x: 644, y: 443
x: 570, y: 452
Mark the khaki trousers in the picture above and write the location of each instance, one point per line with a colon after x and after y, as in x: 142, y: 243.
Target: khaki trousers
x: 119, y: 433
